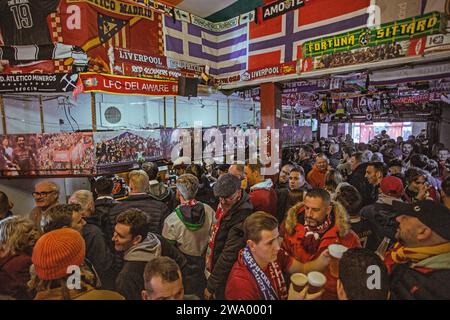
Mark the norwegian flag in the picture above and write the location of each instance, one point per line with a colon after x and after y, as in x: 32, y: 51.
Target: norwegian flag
x: 279, y: 39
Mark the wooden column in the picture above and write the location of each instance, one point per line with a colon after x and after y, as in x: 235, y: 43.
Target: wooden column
x: 270, y: 103
x: 175, y: 112
x: 217, y: 113
x: 94, y: 112
x: 228, y: 110
x: 2, y: 110
x: 41, y: 113
x: 165, y: 115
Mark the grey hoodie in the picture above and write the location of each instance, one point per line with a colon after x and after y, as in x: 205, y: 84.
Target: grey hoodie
x: 145, y: 251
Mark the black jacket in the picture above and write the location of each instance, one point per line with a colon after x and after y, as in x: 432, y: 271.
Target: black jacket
x: 103, y: 208
x: 98, y: 253
x: 307, y: 165
x: 381, y: 217
x: 407, y: 283
x: 283, y: 197
x: 156, y: 211
x: 130, y: 281
x: 229, y: 241
x: 359, y: 181
x: 205, y: 193
x: 160, y: 192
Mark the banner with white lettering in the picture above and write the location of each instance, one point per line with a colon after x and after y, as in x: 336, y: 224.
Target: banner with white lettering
x: 94, y: 82
x: 59, y: 82
x: 139, y: 64
x: 280, y: 7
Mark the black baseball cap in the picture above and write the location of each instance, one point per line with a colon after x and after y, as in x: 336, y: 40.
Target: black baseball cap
x: 433, y: 215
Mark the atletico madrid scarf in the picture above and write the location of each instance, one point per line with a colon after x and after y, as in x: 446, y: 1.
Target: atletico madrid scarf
x: 263, y: 282
x: 401, y: 254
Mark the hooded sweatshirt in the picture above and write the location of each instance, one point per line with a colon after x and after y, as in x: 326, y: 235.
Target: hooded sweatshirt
x: 130, y: 280
x: 263, y: 197
x: 188, y: 228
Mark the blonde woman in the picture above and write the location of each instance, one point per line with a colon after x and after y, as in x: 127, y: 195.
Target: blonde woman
x: 17, y: 238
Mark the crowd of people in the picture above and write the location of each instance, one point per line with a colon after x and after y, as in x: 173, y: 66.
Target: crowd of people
x: 335, y: 210
x: 370, y: 54
x: 126, y: 147
x: 46, y: 154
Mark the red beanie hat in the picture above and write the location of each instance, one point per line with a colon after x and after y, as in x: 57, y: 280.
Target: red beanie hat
x: 57, y: 250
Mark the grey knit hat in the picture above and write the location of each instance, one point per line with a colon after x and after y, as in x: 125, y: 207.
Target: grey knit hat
x: 226, y: 186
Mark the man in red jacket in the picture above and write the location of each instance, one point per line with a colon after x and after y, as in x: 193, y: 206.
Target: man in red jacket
x: 262, y: 193
x: 258, y: 272
x: 312, y: 225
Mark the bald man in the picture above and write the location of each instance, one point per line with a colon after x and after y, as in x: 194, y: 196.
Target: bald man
x: 46, y: 195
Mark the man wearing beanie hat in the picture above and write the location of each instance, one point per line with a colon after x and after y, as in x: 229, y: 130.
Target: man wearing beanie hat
x: 381, y: 215
x: 226, y: 238
x: 53, y: 256
x: 419, y: 262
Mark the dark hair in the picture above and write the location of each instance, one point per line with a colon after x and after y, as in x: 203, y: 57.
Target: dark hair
x: 413, y: 173
x: 298, y: 169
x: 379, y: 167
x: 4, y: 202
x: 307, y: 149
x: 358, y: 156
x: 445, y: 187
x: 17, y: 138
x: 319, y: 193
x: 395, y: 163
x: 348, y: 150
x: 196, y: 170
x: 257, y: 222
x: 137, y: 221
x: 354, y: 275
x: 419, y: 160
x: 104, y: 185
x: 151, y: 169
x: 350, y: 198
x: 58, y: 216
x: 164, y: 267
x: 332, y: 178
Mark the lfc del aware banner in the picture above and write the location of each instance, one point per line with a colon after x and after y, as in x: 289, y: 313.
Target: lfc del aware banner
x: 94, y: 82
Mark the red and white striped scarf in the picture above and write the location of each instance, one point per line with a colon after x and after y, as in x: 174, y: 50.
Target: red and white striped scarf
x: 214, y: 229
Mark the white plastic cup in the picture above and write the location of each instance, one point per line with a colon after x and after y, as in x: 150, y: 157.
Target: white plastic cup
x: 336, y: 251
x: 316, y: 281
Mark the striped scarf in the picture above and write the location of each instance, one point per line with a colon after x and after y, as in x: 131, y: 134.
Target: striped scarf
x: 401, y: 254
x: 212, y: 239
x: 265, y: 286
x: 311, y: 240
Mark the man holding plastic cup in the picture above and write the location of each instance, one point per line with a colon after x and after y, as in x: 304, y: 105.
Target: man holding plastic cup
x: 313, y: 225
x: 258, y: 272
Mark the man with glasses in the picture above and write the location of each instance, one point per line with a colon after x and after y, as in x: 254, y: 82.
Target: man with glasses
x: 46, y: 195
x: 226, y: 238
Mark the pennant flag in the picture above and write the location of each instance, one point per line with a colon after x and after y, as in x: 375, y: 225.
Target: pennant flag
x: 224, y: 52
x: 108, y: 27
x: 279, y: 39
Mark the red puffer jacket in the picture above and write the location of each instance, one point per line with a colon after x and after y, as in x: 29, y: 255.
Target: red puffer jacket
x: 340, y: 233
